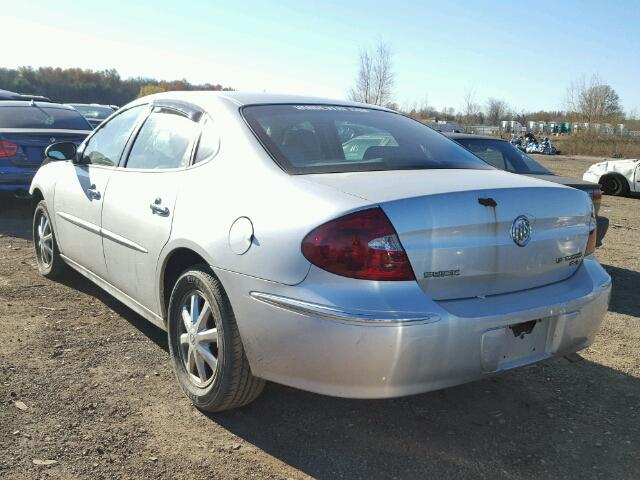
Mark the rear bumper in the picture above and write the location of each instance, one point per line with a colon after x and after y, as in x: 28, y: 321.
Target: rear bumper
x: 603, y: 226
x: 403, y: 344
x: 13, y: 179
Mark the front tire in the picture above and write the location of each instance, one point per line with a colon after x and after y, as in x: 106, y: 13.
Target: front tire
x: 50, y: 264
x: 205, y: 346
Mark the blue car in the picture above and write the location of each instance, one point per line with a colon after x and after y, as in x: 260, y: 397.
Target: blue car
x: 26, y: 129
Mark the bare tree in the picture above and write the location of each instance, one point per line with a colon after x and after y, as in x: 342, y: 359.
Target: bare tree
x: 470, y: 107
x: 592, y: 101
x: 375, y: 80
x: 496, y: 110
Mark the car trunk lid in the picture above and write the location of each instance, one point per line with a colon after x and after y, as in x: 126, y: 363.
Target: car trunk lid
x: 32, y: 143
x: 459, y: 244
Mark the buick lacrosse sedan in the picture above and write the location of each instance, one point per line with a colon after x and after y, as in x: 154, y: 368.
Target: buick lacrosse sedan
x: 272, y: 244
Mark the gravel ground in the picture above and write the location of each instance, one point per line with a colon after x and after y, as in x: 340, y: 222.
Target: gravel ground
x: 86, y: 391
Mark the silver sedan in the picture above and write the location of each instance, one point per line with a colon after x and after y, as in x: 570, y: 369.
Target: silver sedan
x: 335, y: 247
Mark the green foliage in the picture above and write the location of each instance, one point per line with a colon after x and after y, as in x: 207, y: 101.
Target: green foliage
x: 77, y: 85
x: 149, y: 89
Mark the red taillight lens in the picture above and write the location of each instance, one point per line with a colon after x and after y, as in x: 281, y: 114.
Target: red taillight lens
x: 7, y: 148
x: 360, y: 245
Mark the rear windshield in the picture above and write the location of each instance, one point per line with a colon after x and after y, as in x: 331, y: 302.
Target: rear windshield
x: 503, y: 155
x: 328, y: 138
x: 34, y: 116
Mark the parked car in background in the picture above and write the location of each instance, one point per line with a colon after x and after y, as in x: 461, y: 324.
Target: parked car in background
x: 616, y: 177
x: 26, y: 129
x: 93, y: 112
x: 504, y: 155
x: 8, y: 95
x: 237, y: 222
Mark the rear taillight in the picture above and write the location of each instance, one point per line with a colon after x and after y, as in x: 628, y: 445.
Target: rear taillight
x: 7, y: 148
x: 596, y: 198
x: 360, y: 245
x: 593, y: 233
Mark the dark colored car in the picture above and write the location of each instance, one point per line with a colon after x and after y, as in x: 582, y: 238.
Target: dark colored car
x: 93, y: 112
x: 505, y: 156
x: 26, y: 129
x: 8, y: 95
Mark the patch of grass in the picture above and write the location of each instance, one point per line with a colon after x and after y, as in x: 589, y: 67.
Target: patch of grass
x: 610, y: 146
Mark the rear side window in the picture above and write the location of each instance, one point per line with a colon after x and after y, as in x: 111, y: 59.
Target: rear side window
x: 209, y: 142
x: 106, y: 146
x: 164, y: 141
x: 490, y: 155
x: 333, y: 138
x: 39, y: 117
x: 503, y: 155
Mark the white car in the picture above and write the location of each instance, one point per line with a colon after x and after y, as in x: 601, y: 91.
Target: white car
x: 248, y: 228
x: 616, y: 177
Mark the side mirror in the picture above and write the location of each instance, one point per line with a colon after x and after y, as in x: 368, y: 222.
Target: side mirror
x: 61, y: 151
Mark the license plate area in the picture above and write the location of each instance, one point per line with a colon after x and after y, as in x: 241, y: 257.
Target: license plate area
x: 514, y: 345
x: 524, y: 328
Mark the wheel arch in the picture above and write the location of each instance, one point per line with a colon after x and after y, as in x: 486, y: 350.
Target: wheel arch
x: 36, y: 198
x: 175, y: 260
x: 625, y: 180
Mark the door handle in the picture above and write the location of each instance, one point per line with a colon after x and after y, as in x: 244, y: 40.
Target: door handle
x: 158, y: 209
x: 93, y: 193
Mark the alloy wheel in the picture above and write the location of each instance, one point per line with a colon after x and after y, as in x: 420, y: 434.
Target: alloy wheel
x: 198, y: 339
x: 44, y: 239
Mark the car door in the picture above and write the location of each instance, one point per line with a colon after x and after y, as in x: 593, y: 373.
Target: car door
x: 635, y: 187
x: 140, y: 201
x: 79, y: 192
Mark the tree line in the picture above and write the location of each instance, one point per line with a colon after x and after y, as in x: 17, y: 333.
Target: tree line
x: 78, y: 85
x: 587, y: 100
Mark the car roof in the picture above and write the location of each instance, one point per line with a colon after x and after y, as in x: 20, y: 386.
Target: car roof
x: 29, y: 103
x: 250, y: 98
x: 9, y: 95
x: 455, y: 136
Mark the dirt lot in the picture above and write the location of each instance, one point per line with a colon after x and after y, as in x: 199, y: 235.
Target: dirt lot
x: 100, y: 399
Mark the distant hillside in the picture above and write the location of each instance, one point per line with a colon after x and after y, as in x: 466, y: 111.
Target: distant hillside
x: 78, y: 85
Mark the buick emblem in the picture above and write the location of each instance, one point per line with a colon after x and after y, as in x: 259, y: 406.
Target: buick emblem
x: 521, y: 231
x: 52, y: 139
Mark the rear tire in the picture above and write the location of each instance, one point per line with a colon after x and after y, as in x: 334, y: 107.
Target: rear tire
x: 50, y: 264
x: 205, y: 346
x: 614, y: 185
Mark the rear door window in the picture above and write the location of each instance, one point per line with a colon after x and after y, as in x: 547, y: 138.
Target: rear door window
x: 165, y: 141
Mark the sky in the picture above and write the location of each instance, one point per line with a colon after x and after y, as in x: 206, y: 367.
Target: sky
x: 526, y: 53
